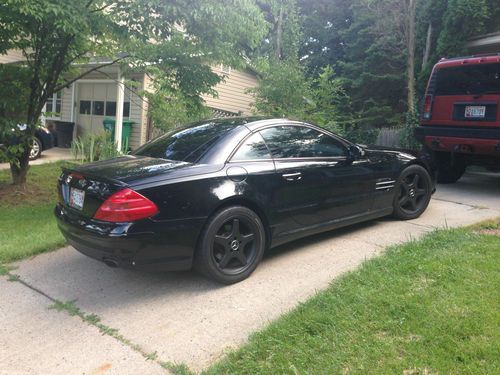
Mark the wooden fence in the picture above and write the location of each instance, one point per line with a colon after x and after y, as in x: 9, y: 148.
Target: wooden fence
x: 389, y: 137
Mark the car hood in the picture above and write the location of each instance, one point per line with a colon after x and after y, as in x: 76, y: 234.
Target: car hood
x: 389, y: 149
x: 133, y: 170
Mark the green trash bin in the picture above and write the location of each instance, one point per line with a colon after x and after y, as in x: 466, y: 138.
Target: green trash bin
x: 109, y: 126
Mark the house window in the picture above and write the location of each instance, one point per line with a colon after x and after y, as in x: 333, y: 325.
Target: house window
x: 111, y: 109
x: 101, y: 108
x: 85, y: 106
x: 98, y: 108
x: 126, y: 109
x: 225, y: 69
x: 53, y: 106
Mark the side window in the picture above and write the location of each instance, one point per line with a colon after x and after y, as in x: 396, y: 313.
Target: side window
x: 301, y: 142
x: 253, y: 148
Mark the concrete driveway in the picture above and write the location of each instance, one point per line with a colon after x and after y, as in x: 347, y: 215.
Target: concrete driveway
x: 49, y: 156
x: 181, y: 317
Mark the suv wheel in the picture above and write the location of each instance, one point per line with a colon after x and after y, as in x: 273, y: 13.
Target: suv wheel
x: 449, y: 172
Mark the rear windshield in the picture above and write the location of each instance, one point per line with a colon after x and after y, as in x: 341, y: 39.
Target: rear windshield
x: 469, y: 80
x: 187, y: 144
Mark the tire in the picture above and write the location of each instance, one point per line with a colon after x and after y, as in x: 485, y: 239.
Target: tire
x: 413, y: 193
x: 231, y: 245
x: 448, y: 172
x: 36, y: 149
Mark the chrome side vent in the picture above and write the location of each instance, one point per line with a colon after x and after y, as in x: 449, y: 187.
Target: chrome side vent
x: 385, y: 185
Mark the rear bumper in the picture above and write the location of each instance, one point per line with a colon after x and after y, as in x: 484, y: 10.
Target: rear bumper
x: 145, y: 245
x: 480, y: 141
x: 47, y: 140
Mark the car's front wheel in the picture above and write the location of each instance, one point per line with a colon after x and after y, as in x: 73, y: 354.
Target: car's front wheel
x: 413, y: 193
x: 231, y: 246
x: 36, y: 149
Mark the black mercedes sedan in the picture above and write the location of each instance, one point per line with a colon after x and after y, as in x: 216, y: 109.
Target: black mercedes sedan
x: 216, y: 194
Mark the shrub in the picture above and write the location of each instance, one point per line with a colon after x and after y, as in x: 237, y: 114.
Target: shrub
x: 408, y: 140
x: 94, y: 147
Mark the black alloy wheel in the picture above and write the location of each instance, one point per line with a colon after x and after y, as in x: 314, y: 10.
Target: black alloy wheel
x: 413, y: 193
x: 231, y: 246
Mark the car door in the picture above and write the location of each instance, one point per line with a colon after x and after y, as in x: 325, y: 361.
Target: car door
x: 252, y: 168
x: 317, y: 183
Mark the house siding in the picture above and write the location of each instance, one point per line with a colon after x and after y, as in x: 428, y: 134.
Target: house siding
x: 137, y: 114
x: 489, y: 43
x: 66, y: 104
x: 233, y: 96
x: 11, y: 56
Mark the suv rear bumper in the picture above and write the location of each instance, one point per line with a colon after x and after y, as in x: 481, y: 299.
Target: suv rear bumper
x: 480, y: 141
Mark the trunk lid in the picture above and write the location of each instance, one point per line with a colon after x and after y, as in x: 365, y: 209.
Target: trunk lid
x: 83, y: 189
x: 127, y: 169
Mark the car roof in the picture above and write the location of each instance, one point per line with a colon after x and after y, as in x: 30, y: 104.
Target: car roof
x: 240, y: 127
x: 251, y: 122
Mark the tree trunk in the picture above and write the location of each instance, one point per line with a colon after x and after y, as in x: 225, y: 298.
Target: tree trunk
x: 410, y: 65
x: 20, y: 171
x: 427, y: 50
x: 279, y: 35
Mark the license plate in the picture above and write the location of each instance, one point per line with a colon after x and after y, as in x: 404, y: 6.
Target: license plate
x: 76, y: 198
x: 475, y: 111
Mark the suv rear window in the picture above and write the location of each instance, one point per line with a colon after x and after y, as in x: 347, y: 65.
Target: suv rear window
x: 469, y: 80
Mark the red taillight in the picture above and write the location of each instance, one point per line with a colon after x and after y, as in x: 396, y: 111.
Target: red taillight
x: 427, y: 107
x: 126, y: 205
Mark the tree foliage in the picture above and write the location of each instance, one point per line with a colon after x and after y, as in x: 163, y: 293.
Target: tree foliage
x: 366, y: 43
x: 179, y: 40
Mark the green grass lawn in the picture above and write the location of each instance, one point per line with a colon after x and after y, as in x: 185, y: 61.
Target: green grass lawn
x: 426, y: 307
x: 27, y: 223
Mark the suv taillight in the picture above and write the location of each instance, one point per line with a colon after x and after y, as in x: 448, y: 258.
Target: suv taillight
x: 428, y: 107
x: 124, y: 206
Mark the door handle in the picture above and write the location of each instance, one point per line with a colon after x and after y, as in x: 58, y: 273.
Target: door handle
x: 292, y: 176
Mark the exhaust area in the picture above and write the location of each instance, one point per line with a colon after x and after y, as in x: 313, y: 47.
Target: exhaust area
x: 110, y: 262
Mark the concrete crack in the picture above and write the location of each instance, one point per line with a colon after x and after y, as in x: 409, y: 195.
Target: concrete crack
x: 92, y: 319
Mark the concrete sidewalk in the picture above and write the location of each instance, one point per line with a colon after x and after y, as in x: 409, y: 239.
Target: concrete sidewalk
x: 49, y: 156
x: 183, y: 317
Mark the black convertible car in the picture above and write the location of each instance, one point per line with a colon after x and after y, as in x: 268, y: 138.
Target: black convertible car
x: 216, y: 194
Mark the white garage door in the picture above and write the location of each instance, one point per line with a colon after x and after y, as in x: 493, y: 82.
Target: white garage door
x: 96, y: 101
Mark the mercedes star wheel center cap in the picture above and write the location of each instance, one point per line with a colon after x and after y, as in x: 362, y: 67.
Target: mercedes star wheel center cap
x: 235, y: 245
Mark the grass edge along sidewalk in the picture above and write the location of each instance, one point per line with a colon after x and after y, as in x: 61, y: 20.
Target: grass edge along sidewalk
x: 27, y: 223
x: 425, y: 307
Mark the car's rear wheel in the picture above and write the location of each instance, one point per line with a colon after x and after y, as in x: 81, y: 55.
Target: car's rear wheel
x: 449, y: 170
x: 36, y: 149
x: 413, y: 192
x: 231, y: 246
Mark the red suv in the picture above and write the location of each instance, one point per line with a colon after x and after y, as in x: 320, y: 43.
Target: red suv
x: 461, y: 116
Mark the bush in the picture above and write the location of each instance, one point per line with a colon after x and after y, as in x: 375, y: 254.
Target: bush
x: 408, y: 140
x: 94, y: 147
x: 360, y: 134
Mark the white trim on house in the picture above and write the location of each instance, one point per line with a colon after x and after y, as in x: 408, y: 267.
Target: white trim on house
x: 120, y: 94
x: 73, y: 103
x: 84, y: 80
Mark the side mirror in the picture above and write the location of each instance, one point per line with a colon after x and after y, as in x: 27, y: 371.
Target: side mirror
x: 355, y: 152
